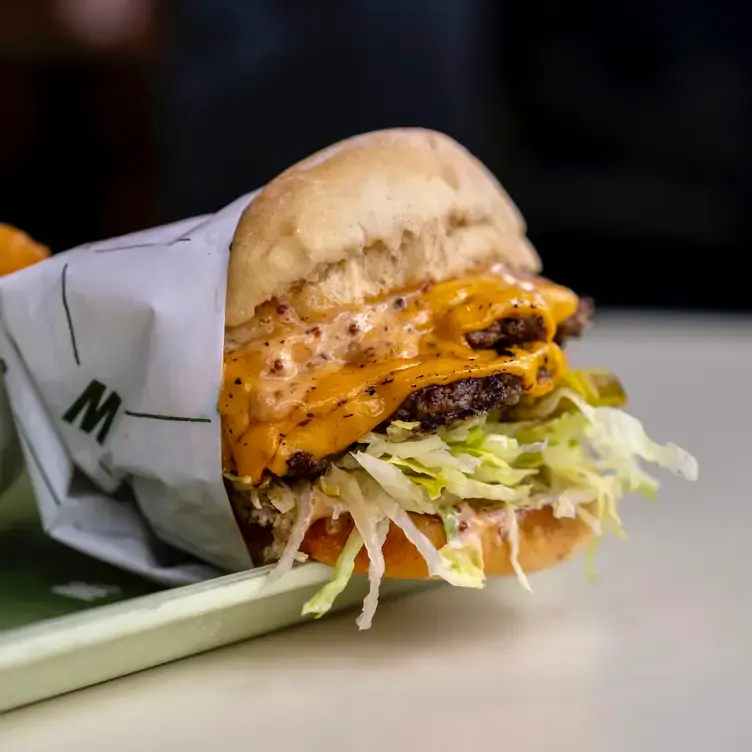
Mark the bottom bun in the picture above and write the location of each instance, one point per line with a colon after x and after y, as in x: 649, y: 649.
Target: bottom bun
x: 544, y: 541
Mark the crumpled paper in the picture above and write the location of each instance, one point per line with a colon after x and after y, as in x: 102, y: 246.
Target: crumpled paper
x: 113, y: 361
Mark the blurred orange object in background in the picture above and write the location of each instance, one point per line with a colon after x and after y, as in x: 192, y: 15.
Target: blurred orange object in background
x: 18, y: 250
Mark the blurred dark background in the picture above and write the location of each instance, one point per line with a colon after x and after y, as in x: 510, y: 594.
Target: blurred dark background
x: 621, y: 130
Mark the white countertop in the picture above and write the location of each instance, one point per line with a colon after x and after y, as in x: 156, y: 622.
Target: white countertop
x: 655, y: 655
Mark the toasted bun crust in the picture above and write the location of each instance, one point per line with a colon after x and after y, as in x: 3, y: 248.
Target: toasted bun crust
x: 544, y: 542
x: 371, y: 214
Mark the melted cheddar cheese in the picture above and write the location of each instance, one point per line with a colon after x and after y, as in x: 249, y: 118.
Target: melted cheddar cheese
x: 316, y: 382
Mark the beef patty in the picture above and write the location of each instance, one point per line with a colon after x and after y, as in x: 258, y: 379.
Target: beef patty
x: 509, y: 332
x: 506, y: 333
x: 434, y: 406
x: 577, y: 323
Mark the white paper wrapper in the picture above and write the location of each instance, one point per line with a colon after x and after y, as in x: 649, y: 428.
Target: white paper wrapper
x: 113, y: 355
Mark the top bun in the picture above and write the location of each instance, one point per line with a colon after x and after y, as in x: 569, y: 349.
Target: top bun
x: 375, y: 213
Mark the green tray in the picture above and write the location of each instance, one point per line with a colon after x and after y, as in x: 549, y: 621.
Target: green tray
x: 68, y: 621
x: 43, y: 579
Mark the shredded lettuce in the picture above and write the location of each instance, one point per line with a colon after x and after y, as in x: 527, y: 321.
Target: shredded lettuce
x: 322, y: 601
x: 573, y: 450
x: 373, y: 526
x: 456, y: 570
x: 299, y: 529
x: 465, y: 564
x: 392, y: 480
x: 463, y: 553
x: 514, y: 550
x: 376, y: 568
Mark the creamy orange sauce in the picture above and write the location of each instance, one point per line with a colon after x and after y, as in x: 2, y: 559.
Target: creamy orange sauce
x: 317, y: 381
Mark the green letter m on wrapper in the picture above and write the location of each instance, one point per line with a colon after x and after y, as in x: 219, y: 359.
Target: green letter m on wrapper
x: 97, y: 409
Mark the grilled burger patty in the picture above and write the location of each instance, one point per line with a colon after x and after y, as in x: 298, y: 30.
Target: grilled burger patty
x: 433, y: 406
x: 507, y: 333
x: 577, y: 323
x: 437, y: 405
x: 515, y: 331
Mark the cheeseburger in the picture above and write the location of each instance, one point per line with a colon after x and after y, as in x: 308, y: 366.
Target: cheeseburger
x: 396, y: 396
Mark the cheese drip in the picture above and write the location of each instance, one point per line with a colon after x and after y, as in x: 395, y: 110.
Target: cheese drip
x: 317, y: 381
